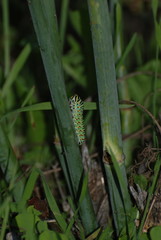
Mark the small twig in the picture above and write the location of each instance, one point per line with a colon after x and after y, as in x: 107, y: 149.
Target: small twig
x: 147, y: 217
x: 156, y: 149
x: 54, y: 170
x: 133, y: 74
x: 94, y: 155
x: 133, y: 135
x: 24, y: 173
x: 50, y: 221
x: 145, y: 110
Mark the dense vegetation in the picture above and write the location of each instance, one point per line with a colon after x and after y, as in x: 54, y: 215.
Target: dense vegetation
x: 107, y: 52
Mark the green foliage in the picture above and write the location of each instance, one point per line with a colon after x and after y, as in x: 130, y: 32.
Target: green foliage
x: 141, y: 181
x: 30, y: 216
x: 106, y: 234
x: 17, y: 67
x: 53, y: 206
x: 155, y: 233
x: 48, y: 234
x: 31, y: 121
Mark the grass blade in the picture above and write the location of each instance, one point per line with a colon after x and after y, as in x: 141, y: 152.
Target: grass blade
x: 109, y: 112
x: 53, y: 206
x: 5, y: 220
x: 63, y: 20
x: 18, y: 65
x: 9, y: 166
x: 29, y: 187
x: 45, y: 24
x: 82, y: 195
x: 45, y: 106
x: 127, y: 50
x: 6, y: 35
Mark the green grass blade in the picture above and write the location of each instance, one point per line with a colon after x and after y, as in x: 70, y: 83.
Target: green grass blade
x: 127, y: 50
x: 34, y: 107
x: 63, y: 163
x: 81, y: 197
x: 109, y: 111
x: 17, y: 67
x: 50, y: 235
x: 29, y: 187
x: 48, y: 106
x: 5, y: 220
x: 90, y: 106
x: 150, y: 193
x: 106, y: 234
x: 63, y: 20
x: 26, y: 100
x: 53, y: 205
x: 158, y: 47
x: 28, y: 96
x: 106, y: 78
x: 123, y: 87
x: 54, y: 208
x: 9, y: 166
x: 45, y: 23
x: 6, y: 35
x: 94, y: 235
x: 120, y: 199
x: 155, y: 7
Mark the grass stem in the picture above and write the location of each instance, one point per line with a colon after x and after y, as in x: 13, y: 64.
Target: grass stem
x: 6, y: 35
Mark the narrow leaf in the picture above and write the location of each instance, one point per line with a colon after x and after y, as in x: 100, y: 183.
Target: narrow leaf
x: 17, y: 67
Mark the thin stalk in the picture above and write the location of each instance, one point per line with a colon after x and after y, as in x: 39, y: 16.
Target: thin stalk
x: 154, y: 90
x: 5, y: 220
x: 16, y: 68
x: 158, y: 46
x: 6, y: 35
x: 10, y: 167
x: 151, y: 191
x: 63, y: 20
x: 126, y: 116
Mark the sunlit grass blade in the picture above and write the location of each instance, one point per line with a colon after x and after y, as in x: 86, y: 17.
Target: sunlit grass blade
x: 94, y: 235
